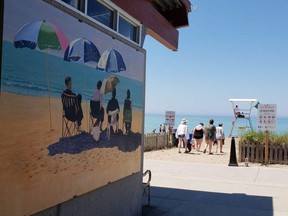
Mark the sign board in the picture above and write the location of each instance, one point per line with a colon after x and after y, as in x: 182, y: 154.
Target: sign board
x: 267, y: 116
x: 170, y: 118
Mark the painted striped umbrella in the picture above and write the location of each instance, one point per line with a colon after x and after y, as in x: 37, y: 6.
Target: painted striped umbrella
x: 41, y: 34
x: 111, y: 61
x: 44, y: 35
x: 109, y: 84
x: 82, y: 50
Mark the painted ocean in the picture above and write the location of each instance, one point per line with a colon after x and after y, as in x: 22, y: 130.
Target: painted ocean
x: 33, y: 78
x: 154, y: 121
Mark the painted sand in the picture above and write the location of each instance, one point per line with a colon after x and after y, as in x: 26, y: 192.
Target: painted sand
x: 27, y: 167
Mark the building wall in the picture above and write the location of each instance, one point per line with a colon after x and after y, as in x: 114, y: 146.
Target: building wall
x: 40, y: 170
x: 122, y: 197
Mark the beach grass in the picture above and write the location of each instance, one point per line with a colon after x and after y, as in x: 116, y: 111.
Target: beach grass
x: 259, y: 137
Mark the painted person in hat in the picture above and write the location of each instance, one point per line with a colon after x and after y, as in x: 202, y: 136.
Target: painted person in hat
x: 182, y: 134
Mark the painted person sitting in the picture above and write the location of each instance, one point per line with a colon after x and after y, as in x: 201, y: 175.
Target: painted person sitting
x: 113, y: 108
x: 72, y: 103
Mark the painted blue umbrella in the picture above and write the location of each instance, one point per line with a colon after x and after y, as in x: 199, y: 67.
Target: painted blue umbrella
x: 82, y: 50
x: 111, y: 61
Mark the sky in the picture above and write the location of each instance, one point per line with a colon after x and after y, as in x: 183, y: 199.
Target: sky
x: 231, y: 49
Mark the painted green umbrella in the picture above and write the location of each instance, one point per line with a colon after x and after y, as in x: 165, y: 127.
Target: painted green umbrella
x: 42, y: 35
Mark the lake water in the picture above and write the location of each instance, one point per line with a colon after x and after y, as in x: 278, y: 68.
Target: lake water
x: 153, y: 121
x: 26, y: 73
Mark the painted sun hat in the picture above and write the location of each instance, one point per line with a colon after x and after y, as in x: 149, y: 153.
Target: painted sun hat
x: 184, y: 121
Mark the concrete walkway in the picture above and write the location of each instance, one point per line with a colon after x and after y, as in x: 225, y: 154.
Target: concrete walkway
x: 185, y: 188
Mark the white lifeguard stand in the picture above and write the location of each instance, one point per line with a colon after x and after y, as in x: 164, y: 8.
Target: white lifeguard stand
x: 243, y: 113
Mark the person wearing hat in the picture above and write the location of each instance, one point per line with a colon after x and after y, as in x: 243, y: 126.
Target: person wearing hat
x: 198, y: 134
x: 127, y: 112
x: 182, y: 134
x: 220, y: 137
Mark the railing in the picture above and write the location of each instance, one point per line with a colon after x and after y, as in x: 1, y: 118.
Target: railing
x: 156, y: 141
x: 255, y: 152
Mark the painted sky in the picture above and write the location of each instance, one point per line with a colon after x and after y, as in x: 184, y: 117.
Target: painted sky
x: 232, y: 49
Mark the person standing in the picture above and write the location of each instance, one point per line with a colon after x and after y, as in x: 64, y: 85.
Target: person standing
x: 163, y: 130
x: 198, y: 134
x: 210, y: 131
x: 127, y: 113
x: 182, y: 134
x: 220, y: 137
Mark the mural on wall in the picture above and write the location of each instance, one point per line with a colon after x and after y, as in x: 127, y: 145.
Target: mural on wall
x: 71, y: 108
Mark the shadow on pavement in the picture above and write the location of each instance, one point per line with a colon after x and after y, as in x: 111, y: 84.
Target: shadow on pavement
x: 170, y: 202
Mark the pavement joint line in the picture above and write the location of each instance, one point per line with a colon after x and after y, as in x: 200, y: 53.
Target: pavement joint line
x: 255, y: 179
x: 181, y: 203
x: 240, y: 164
x: 213, y: 204
x: 167, y: 198
x: 221, y: 181
x: 232, y: 206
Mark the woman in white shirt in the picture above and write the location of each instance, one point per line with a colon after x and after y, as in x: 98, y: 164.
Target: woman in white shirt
x: 220, y: 137
x: 182, y: 134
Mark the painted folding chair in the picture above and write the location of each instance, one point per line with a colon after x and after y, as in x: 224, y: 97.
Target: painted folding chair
x: 69, y: 115
x: 114, y: 121
x: 94, y: 113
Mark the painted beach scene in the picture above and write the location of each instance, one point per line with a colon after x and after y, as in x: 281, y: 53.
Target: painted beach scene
x: 71, y: 108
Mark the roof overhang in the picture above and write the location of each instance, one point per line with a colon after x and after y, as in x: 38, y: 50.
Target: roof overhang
x: 175, y: 11
x: 160, y: 17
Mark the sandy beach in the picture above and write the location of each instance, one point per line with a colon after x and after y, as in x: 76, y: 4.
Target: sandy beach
x: 198, y: 157
x: 25, y: 166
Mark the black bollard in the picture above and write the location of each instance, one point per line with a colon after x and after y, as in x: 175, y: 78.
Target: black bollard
x: 233, y: 159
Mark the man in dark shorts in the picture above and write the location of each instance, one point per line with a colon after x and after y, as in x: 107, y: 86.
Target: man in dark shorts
x: 210, y: 131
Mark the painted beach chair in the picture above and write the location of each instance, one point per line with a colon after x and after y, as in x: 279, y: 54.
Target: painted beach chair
x: 95, y: 114
x: 69, y: 115
x: 113, y: 122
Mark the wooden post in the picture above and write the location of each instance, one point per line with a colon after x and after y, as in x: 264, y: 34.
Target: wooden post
x: 285, y: 154
x: 266, y: 146
x: 280, y: 158
x: 252, y: 158
x: 257, y: 153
